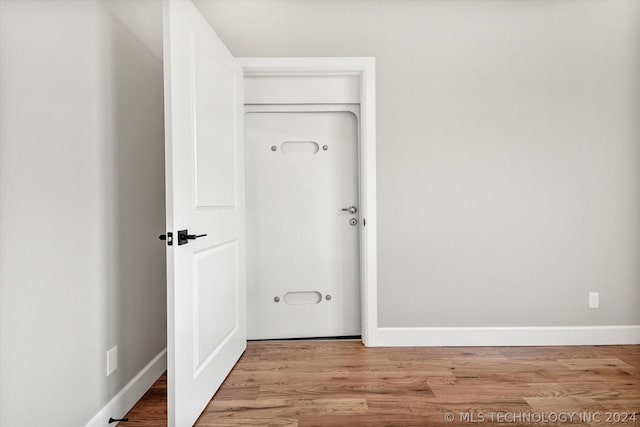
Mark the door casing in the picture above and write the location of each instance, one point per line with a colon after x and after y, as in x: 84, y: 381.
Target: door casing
x: 362, y: 69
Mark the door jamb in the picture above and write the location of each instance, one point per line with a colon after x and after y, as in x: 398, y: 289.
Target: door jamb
x: 364, y: 68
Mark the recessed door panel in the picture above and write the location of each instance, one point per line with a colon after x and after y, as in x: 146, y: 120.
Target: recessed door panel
x: 303, y: 260
x: 215, y: 300
x: 215, y: 166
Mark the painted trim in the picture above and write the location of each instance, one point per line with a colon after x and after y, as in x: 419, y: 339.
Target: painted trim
x: 507, y: 336
x: 304, y: 66
x: 301, y: 90
x: 132, y: 392
x: 365, y: 69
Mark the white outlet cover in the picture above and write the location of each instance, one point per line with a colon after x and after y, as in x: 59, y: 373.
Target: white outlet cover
x: 594, y: 300
x: 112, y: 360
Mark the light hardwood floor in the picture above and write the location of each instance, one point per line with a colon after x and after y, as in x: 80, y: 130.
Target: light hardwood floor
x: 343, y: 383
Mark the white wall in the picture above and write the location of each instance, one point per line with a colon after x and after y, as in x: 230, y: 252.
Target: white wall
x: 508, y: 149
x: 508, y: 168
x: 81, y: 205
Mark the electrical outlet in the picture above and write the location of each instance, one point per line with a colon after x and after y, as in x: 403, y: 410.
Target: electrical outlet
x: 112, y: 360
x: 594, y: 300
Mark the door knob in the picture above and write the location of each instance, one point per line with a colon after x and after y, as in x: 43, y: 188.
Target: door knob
x: 184, y: 237
x: 168, y: 237
x: 351, y: 209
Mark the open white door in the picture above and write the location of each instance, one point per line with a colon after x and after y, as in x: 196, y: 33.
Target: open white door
x: 206, y: 298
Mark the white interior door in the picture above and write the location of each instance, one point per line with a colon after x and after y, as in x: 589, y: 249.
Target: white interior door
x: 303, y: 258
x: 205, y: 195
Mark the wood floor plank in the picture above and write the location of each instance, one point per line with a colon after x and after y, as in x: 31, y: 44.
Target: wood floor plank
x: 564, y: 403
x: 600, y: 363
x: 289, y: 406
x: 343, y: 383
x: 349, y: 388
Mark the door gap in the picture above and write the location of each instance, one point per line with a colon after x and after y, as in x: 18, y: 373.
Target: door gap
x: 336, y: 338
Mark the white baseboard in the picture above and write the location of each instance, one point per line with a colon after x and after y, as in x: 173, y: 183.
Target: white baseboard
x: 505, y: 336
x: 132, y: 392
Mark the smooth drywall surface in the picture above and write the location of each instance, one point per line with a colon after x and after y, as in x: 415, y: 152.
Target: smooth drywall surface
x: 81, y: 205
x: 508, y: 149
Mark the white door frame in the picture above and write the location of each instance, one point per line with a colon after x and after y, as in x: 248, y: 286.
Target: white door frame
x: 364, y: 69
